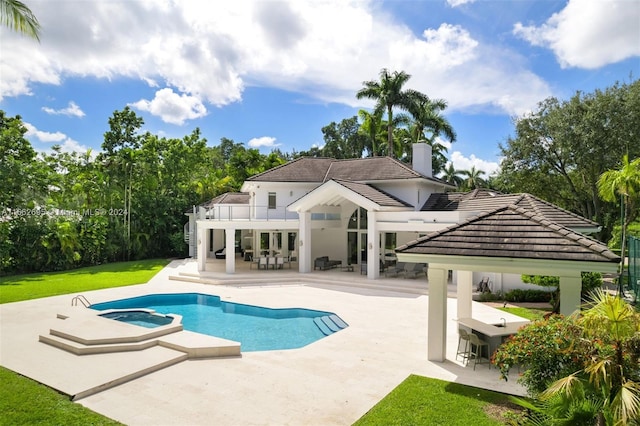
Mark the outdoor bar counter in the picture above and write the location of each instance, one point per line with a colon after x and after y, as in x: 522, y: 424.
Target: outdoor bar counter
x: 493, y: 334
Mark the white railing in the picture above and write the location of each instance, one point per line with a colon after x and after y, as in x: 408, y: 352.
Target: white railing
x: 245, y: 212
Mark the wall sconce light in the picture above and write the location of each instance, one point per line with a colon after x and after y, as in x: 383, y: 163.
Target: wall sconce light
x: 301, y: 243
x: 370, y: 246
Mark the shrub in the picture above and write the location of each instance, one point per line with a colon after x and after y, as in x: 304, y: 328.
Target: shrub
x: 519, y: 295
x: 549, y: 349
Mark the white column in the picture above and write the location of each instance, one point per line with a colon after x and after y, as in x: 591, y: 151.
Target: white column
x: 437, y: 323
x: 201, y: 247
x: 304, y: 255
x: 464, y: 289
x: 373, y: 247
x: 570, y: 288
x: 230, y: 251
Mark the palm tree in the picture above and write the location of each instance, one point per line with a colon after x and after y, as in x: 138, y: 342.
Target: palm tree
x: 473, y: 179
x: 371, y: 127
x: 427, y: 117
x: 624, y: 182
x: 452, y: 175
x: 18, y: 17
x: 388, y: 94
x: 606, y: 382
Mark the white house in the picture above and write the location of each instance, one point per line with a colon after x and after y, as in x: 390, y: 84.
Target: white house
x: 353, y: 211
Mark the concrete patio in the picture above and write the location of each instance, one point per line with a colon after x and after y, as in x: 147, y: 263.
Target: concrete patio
x: 333, y: 381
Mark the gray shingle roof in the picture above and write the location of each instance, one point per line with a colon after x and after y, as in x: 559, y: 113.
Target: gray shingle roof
x: 372, y: 193
x: 511, y: 232
x: 229, y: 198
x: 485, y: 201
x: 320, y: 170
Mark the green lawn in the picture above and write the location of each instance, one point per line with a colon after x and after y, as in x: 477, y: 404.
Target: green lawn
x: 528, y: 313
x: 34, y: 286
x: 25, y: 402
x: 424, y: 401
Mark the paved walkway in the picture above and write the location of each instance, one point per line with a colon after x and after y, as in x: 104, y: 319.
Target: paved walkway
x: 333, y: 381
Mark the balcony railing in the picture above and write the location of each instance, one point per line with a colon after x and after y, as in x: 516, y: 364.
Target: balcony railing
x: 244, y: 213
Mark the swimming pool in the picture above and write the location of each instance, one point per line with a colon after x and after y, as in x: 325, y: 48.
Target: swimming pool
x: 256, y: 328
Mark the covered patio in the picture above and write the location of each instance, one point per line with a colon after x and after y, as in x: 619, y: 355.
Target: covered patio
x: 507, y: 240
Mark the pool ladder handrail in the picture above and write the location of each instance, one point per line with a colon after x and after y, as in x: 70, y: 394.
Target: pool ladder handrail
x: 85, y: 302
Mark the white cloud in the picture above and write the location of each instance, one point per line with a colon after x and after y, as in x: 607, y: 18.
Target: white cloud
x: 210, y: 51
x: 460, y: 162
x: 72, y: 110
x: 456, y: 3
x: 58, y: 138
x: 262, y: 142
x: 172, y: 107
x: 588, y: 34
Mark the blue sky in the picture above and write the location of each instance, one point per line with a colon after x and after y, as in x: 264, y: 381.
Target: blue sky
x: 273, y: 73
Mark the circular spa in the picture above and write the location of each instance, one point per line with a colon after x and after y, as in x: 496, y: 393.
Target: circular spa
x: 257, y: 328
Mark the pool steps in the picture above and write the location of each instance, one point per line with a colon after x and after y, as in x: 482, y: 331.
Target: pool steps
x: 82, y: 332
x: 329, y: 324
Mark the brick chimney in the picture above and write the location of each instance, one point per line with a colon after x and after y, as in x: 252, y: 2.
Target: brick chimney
x: 422, y: 162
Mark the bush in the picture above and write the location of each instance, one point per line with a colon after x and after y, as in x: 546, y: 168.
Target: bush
x: 549, y: 349
x: 533, y: 296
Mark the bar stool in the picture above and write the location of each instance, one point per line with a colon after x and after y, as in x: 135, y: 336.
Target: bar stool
x: 463, y: 338
x: 475, y: 350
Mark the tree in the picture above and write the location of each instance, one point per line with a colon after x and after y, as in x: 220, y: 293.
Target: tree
x: 624, y: 182
x: 561, y: 149
x: 23, y: 178
x: 583, y: 369
x: 343, y: 140
x: 372, y: 127
x: 388, y: 94
x: 473, y: 178
x: 18, y: 17
x: 452, y: 175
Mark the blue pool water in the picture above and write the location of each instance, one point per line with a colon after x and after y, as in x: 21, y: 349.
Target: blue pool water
x: 256, y: 328
x: 141, y: 318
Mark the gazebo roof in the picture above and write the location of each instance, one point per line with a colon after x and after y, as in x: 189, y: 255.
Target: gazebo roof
x: 511, y: 232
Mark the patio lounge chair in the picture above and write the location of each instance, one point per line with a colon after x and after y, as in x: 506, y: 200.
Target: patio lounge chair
x: 324, y: 263
x: 412, y: 270
x: 221, y: 254
x: 395, y: 270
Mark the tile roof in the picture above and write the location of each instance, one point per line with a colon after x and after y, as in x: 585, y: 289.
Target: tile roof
x: 485, y: 201
x: 307, y: 169
x: 511, y: 232
x: 228, y: 198
x: 372, y: 193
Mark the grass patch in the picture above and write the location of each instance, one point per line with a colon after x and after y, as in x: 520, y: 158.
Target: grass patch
x: 528, y: 313
x: 425, y: 401
x: 26, y: 402
x: 34, y: 286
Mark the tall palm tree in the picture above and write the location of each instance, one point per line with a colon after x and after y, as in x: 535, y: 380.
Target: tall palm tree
x: 18, y: 17
x: 427, y: 124
x: 624, y: 182
x: 427, y: 117
x: 388, y: 93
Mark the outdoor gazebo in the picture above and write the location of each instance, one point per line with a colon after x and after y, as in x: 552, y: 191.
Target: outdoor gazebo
x: 509, y: 239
